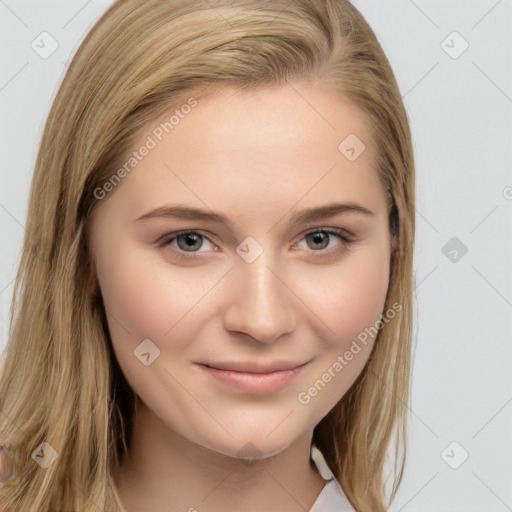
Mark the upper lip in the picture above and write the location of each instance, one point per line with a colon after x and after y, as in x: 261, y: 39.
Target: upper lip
x: 254, y: 367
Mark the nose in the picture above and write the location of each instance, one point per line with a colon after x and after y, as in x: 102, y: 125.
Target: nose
x: 259, y: 301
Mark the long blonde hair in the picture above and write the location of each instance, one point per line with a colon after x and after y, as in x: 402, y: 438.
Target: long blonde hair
x: 60, y: 380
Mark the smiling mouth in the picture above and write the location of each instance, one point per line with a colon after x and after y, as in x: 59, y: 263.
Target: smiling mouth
x: 253, y: 378
x: 255, y: 367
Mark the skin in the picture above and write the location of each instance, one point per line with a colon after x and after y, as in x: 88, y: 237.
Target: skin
x: 258, y: 158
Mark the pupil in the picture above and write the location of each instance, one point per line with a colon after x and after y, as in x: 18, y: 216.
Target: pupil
x: 319, y: 238
x: 190, y: 240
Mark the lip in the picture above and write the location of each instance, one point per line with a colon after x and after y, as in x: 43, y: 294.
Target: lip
x: 253, y: 366
x: 254, y: 378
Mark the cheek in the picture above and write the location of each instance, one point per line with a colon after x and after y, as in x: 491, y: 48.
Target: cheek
x: 351, y: 307
x: 142, y: 300
x: 145, y: 298
x: 354, y: 296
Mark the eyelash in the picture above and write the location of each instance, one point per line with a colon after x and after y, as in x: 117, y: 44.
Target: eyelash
x: 342, y: 234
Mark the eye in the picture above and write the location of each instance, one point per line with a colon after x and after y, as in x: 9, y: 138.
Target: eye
x: 185, y: 240
x: 320, y: 239
x: 187, y: 243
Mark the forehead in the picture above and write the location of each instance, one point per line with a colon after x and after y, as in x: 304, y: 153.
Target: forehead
x: 253, y: 149
x: 294, y: 116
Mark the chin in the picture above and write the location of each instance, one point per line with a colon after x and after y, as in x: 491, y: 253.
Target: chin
x: 251, y: 447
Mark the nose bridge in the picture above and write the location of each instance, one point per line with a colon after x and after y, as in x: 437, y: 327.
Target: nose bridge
x: 260, y: 303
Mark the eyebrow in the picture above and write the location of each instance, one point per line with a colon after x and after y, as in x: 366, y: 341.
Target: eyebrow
x: 310, y: 215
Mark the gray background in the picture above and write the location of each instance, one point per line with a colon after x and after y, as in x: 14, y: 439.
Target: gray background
x: 460, y: 108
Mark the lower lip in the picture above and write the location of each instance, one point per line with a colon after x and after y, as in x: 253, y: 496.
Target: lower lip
x: 254, y: 382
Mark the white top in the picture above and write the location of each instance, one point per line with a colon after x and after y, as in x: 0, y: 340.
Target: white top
x: 331, y: 498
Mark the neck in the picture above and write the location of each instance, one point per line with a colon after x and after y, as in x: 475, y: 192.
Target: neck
x: 165, y: 472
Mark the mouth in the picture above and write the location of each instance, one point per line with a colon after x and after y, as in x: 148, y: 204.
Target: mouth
x: 252, y: 377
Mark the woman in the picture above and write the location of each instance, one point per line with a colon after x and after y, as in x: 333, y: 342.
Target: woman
x: 270, y: 368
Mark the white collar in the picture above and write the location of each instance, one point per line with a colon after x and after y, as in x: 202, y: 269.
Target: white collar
x: 331, y: 498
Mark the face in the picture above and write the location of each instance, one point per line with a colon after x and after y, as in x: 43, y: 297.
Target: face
x: 237, y: 324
